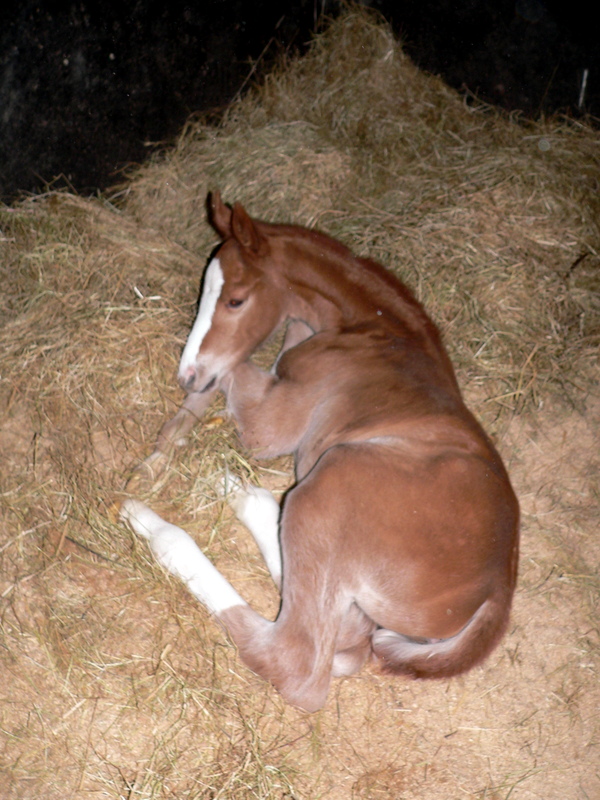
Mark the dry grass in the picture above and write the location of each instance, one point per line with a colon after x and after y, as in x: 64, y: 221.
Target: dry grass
x: 475, y: 211
x: 114, y: 683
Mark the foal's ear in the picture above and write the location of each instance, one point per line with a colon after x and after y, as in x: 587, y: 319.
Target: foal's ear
x: 244, y: 230
x: 219, y: 215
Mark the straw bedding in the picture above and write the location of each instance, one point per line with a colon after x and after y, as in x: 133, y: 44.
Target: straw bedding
x: 114, y: 682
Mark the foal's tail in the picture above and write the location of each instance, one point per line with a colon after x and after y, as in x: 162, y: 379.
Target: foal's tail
x: 445, y: 657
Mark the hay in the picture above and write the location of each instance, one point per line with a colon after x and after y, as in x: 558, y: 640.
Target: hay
x: 114, y: 682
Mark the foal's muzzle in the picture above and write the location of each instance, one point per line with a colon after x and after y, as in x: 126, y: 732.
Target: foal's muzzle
x: 191, y: 381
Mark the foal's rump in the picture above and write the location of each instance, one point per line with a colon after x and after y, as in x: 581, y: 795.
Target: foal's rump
x: 423, y: 547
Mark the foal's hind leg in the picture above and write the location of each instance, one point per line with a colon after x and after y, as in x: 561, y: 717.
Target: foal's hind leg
x: 180, y: 555
x: 283, y: 653
x: 258, y: 510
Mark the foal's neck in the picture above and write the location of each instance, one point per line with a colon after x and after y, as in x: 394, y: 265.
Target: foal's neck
x: 332, y: 288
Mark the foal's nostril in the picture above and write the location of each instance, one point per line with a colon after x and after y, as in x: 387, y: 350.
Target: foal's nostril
x: 186, y: 381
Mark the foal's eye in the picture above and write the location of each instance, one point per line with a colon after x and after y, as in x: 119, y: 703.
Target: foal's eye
x: 234, y: 303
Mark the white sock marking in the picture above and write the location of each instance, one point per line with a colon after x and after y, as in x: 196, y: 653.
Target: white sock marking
x: 258, y: 510
x: 179, y: 553
x: 213, y: 283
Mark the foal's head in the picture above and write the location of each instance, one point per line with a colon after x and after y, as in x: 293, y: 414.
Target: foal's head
x: 238, y: 307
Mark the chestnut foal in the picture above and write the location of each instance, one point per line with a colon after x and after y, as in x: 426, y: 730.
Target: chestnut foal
x: 400, y: 536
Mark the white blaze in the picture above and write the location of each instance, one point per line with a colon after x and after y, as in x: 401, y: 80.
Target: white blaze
x: 213, y: 283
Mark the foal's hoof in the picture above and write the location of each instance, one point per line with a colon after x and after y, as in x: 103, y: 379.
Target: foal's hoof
x: 113, y: 511
x: 252, y: 505
x: 232, y: 490
x: 236, y: 493
x: 133, y: 513
x: 228, y: 485
x: 147, y: 473
x: 142, y: 481
x: 122, y: 506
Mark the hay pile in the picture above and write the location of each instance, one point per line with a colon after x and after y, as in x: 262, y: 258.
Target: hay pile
x: 113, y: 682
x: 355, y: 140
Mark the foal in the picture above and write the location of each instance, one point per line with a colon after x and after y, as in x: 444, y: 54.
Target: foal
x: 400, y: 537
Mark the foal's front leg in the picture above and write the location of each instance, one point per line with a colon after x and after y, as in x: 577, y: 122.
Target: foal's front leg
x: 171, y: 435
x: 271, y: 413
x: 173, y: 432
x: 296, y: 333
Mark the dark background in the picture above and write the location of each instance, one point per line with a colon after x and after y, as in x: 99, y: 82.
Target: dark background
x: 87, y: 87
